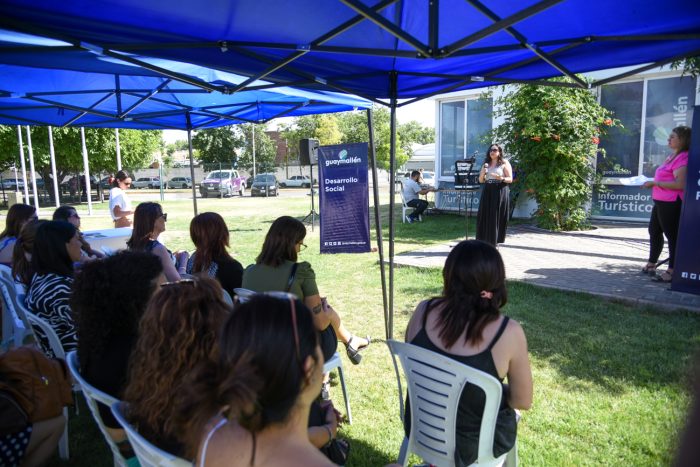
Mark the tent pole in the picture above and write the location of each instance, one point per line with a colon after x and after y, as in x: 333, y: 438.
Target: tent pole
x: 22, y: 164
x: 189, y: 145
x: 52, y: 154
x: 86, y: 167
x: 377, y: 217
x: 31, y: 168
x: 119, y: 150
x: 253, y: 144
x: 392, y: 180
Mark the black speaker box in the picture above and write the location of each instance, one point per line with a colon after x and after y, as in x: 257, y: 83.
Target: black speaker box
x: 308, y: 151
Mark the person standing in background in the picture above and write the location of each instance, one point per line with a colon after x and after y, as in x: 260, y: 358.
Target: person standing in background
x: 667, y: 192
x: 119, y: 202
x: 494, y: 205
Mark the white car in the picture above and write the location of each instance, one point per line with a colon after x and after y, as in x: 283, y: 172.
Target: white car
x: 180, y: 182
x: 146, y: 182
x: 297, y: 181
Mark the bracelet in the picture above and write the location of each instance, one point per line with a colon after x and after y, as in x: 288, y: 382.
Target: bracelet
x: 330, y: 434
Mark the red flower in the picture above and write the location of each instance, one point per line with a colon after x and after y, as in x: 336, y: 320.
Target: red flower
x: 536, y: 138
x: 608, y: 121
x: 556, y: 137
x: 595, y: 140
x: 529, y: 190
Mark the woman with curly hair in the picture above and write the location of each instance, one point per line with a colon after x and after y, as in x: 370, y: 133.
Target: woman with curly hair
x: 56, y: 249
x: 209, y: 234
x: 149, y: 223
x: 109, y: 298
x: 466, y: 324
x: 18, y: 215
x: 250, y: 406
x: 179, y: 330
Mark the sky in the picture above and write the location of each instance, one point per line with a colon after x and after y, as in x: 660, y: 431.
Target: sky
x: 421, y: 111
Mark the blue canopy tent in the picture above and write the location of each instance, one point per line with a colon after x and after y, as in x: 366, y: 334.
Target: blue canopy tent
x: 143, y: 99
x: 378, y: 49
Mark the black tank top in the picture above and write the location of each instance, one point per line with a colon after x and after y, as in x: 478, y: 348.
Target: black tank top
x: 471, y: 403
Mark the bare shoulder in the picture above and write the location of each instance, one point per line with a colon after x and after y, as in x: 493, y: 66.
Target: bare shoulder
x: 229, y: 446
x: 515, y: 333
x: 414, y: 324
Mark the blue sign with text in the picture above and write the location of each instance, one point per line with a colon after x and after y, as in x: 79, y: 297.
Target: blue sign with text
x: 344, y: 198
x: 686, y: 270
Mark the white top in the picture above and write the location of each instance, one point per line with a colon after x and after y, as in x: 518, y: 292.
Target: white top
x: 117, y: 197
x: 410, y: 189
x: 494, y: 170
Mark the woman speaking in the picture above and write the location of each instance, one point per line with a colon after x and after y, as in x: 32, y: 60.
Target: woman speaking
x: 494, y: 205
x: 667, y: 193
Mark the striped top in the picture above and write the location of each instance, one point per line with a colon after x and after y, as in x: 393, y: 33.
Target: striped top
x: 48, y: 298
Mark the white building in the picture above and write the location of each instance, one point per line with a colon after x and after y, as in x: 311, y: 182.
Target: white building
x: 649, y: 105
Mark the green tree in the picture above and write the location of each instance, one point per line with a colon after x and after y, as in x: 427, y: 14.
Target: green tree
x: 265, y: 149
x: 218, y: 145
x: 413, y: 132
x: 137, y: 148
x: 552, y: 134
x: 327, y: 131
x: 690, y: 66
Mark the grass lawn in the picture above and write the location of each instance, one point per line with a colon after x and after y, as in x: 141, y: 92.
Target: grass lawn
x: 611, y: 380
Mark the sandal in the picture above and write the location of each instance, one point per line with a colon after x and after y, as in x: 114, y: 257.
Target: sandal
x: 649, y: 269
x: 665, y: 277
x: 354, y: 353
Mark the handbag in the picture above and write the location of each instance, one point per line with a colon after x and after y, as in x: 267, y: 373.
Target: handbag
x: 337, y: 451
x: 13, y: 418
x: 39, y: 385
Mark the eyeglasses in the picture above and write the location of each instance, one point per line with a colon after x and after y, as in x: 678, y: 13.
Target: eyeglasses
x: 75, y: 214
x: 292, y: 299
x: 164, y: 216
x: 302, y: 246
x: 128, y: 184
x: 493, y: 150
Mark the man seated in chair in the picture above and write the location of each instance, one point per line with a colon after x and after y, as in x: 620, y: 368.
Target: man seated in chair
x: 411, y: 190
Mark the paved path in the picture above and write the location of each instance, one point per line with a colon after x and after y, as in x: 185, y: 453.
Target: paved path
x: 605, y: 262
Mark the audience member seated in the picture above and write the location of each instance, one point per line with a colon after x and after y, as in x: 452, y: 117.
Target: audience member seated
x: 149, y: 223
x: 33, y: 445
x: 108, y: 301
x: 69, y: 214
x: 274, y: 270
x: 56, y: 248
x: 466, y: 324
x: 18, y: 215
x: 179, y: 330
x: 209, y: 234
x: 251, y: 406
x: 22, y: 255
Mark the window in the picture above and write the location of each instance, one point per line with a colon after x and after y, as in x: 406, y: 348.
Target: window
x: 453, y: 125
x: 622, y: 145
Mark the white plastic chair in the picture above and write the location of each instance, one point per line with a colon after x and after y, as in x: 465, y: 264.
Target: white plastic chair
x: 334, y: 362
x: 14, y: 329
x: 57, y: 349
x: 435, y: 383
x: 92, y: 397
x: 406, y: 208
x: 147, y: 454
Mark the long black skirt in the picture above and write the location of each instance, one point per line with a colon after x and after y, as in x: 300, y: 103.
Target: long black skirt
x: 494, y: 210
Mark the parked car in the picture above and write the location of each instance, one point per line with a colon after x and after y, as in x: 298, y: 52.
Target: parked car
x: 265, y: 185
x: 13, y: 184
x: 180, y: 182
x: 222, y: 182
x: 146, y: 182
x: 104, y: 183
x: 297, y: 181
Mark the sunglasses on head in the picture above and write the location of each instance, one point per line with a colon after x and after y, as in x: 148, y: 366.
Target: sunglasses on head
x: 190, y: 282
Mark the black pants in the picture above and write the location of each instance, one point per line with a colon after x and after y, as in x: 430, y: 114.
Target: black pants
x: 665, y: 219
x: 419, y: 205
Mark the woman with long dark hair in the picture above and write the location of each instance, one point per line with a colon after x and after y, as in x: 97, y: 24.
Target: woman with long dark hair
x: 179, y: 330
x: 667, y: 187
x: 119, y: 202
x: 22, y: 253
x: 252, y: 405
x: 56, y: 249
x: 149, y: 223
x: 18, y: 215
x: 465, y: 324
x: 494, y: 204
x: 276, y: 269
x: 210, y: 236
